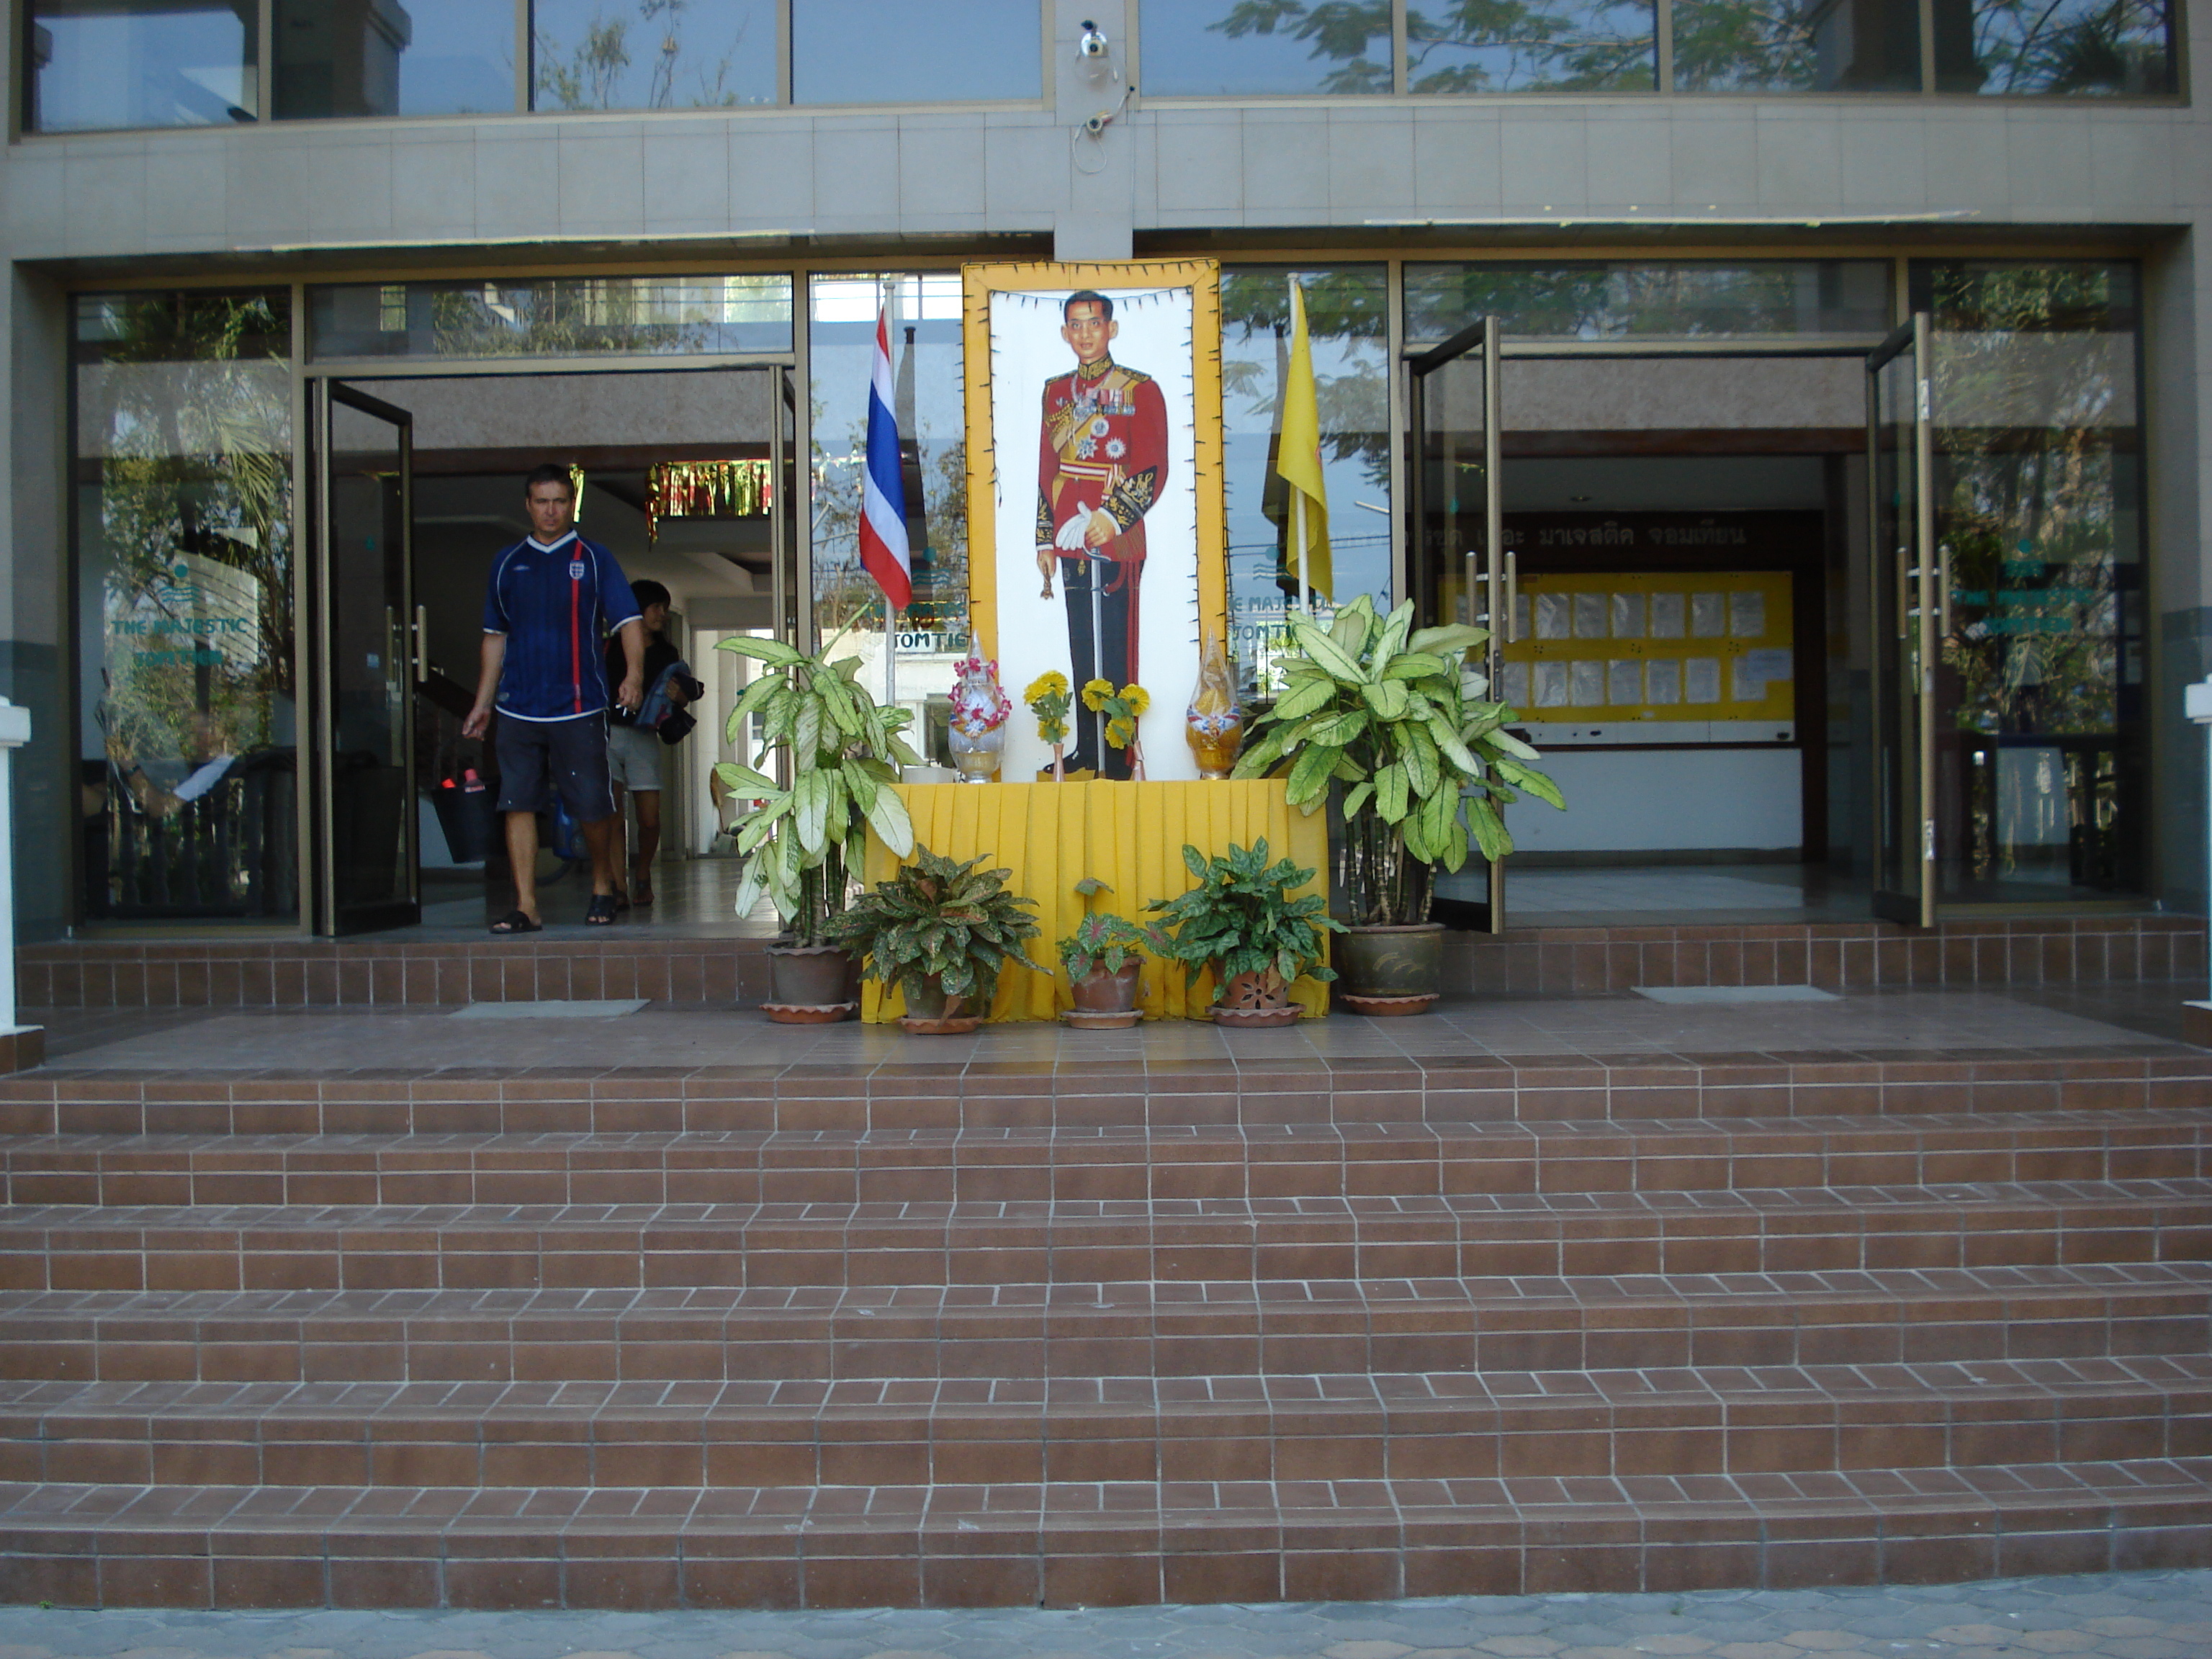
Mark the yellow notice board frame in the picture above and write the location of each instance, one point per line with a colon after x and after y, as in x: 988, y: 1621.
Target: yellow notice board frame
x: 978, y: 282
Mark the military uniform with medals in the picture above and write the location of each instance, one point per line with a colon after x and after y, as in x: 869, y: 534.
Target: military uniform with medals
x: 1103, y: 448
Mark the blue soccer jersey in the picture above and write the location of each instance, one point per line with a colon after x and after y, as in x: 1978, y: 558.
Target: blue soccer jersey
x: 556, y: 605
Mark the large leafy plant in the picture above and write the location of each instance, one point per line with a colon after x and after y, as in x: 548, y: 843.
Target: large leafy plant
x: 1242, y: 919
x: 841, y: 752
x: 1392, y: 718
x: 936, y: 920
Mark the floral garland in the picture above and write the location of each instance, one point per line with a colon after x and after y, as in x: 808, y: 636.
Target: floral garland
x: 978, y: 705
x: 1121, y: 708
x: 1048, y: 698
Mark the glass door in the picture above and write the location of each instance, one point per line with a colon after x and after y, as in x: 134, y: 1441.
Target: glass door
x: 1910, y: 594
x: 1461, y: 572
x: 367, y: 647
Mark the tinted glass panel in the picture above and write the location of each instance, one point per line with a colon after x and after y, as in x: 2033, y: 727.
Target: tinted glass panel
x: 652, y: 54
x: 1348, y: 309
x: 148, y: 64
x: 1579, y: 46
x: 383, y: 58
x: 183, y: 478
x: 2082, y: 46
x: 927, y: 400
x: 552, y: 317
x: 1811, y: 46
x: 1657, y: 301
x: 914, y: 51
x: 1202, y: 48
x: 2038, y: 484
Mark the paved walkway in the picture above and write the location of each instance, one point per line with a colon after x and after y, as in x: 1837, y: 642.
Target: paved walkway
x: 2157, y: 1615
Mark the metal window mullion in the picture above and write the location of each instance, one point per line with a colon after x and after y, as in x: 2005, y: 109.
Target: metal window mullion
x: 523, y: 33
x: 264, y: 68
x: 1663, y: 31
x: 307, y: 859
x: 1397, y: 390
x: 783, y: 52
x: 1923, y: 536
x: 1494, y: 533
x: 1927, y: 46
x: 1402, y: 69
x: 802, y: 438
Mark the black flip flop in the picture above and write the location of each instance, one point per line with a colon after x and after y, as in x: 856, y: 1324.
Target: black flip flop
x: 603, y: 911
x: 517, y: 921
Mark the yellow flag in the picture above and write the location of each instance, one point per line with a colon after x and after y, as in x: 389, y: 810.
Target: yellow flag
x: 1297, y: 457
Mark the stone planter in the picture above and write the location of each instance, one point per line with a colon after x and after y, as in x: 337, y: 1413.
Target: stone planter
x: 812, y: 984
x: 1389, y: 970
x: 1106, y: 1001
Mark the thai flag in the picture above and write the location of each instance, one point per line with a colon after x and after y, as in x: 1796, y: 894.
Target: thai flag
x: 883, y: 488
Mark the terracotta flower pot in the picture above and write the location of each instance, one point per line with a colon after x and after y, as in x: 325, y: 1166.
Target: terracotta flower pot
x: 1106, y: 1001
x: 1256, y: 1000
x: 812, y: 984
x: 1397, y: 970
x: 930, y: 1013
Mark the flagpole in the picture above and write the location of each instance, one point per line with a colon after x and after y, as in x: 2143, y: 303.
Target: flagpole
x: 1298, y: 530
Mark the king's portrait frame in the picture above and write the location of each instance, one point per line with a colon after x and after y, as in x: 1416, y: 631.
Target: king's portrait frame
x: 1095, y: 488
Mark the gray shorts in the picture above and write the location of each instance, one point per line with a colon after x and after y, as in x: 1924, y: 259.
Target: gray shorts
x: 633, y: 756
x: 539, y: 757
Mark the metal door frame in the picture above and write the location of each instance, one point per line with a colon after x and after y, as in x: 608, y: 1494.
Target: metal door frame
x: 1918, y: 587
x: 326, y: 920
x: 1491, y: 567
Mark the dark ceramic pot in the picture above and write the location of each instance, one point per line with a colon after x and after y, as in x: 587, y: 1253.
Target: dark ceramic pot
x: 1395, y: 970
x: 806, y: 980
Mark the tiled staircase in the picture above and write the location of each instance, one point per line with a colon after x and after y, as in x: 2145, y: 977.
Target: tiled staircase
x: 1100, y: 1332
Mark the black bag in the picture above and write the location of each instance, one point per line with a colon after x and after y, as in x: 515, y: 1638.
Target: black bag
x: 676, y: 725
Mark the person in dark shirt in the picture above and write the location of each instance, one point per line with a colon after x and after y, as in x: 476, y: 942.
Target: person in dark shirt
x: 553, y: 597
x: 634, y: 749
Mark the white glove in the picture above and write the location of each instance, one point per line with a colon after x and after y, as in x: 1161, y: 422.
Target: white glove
x: 1070, y: 536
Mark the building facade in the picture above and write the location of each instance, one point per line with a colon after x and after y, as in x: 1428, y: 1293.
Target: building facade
x: 1818, y: 406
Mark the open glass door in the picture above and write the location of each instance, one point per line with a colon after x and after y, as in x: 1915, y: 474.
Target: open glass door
x: 1461, y: 572
x: 367, y: 643
x: 1908, y: 595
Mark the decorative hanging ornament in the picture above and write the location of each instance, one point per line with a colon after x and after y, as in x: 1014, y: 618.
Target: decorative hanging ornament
x: 698, y: 490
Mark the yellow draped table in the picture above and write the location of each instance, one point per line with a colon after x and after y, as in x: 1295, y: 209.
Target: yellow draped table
x: 1129, y: 836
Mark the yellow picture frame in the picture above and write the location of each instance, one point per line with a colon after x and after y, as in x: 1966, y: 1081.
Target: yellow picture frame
x: 1203, y: 278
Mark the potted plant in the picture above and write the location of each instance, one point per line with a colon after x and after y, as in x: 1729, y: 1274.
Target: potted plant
x: 1425, y: 767
x: 841, y: 753
x: 940, y: 931
x: 1103, y: 965
x: 1241, y: 921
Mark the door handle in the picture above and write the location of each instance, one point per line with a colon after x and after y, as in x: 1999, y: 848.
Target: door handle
x: 421, y: 644
x: 1943, y: 589
x: 1512, y: 597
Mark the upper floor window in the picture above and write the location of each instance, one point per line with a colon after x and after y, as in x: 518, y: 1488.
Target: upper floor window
x: 91, y: 64
x: 1247, y: 48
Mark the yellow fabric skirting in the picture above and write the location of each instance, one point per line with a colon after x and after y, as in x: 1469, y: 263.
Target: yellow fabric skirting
x: 1129, y: 836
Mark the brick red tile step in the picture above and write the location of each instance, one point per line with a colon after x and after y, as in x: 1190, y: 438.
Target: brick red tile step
x: 213, y: 972
x: 799, y: 1335
x: 1454, y: 1089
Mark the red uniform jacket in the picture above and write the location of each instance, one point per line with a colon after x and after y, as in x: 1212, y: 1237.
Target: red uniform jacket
x: 1104, y: 446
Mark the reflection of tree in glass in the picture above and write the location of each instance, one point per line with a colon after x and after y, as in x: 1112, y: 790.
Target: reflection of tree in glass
x: 2063, y: 45
x: 197, y: 463
x: 846, y: 595
x: 566, y: 317
x: 1344, y: 305
x: 1593, y: 302
x: 1591, y: 46
x: 2030, y: 508
x: 591, y: 76
x: 1747, y: 45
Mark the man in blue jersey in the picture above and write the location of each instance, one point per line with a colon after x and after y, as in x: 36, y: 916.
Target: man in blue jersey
x: 551, y: 602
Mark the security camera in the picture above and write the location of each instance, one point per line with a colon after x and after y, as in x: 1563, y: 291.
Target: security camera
x: 1092, y: 44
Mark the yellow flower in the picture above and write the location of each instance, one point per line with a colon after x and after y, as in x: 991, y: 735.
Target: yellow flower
x: 1137, y: 698
x: 1050, y: 684
x: 1095, y: 693
x: 1119, y: 732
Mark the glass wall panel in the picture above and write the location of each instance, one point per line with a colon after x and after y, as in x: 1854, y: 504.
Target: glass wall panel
x: 915, y: 669
x: 1580, y: 45
x: 1347, y: 313
x: 914, y: 51
x: 140, y: 64
x: 1247, y: 48
x: 383, y: 58
x: 2038, y: 484
x: 1618, y: 300
x: 2082, y: 46
x: 1797, y: 45
x: 182, y: 470
x: 652, y: 54
x: 552, y: 317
